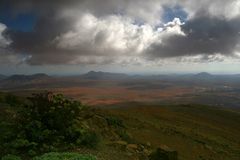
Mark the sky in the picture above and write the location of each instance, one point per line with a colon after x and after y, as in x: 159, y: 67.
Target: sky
x: 66, y: 37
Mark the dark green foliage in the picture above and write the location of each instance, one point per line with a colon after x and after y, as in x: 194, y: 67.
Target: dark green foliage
x: 48, y: 123
x: 114, y: 121
x: 54, y: 112
x: 10, y: 157
x: 12, y: 100
x: 54, y: 156
x: 124, y: 135
x: 64, y: 156
x: 90, y: 139
x: 2, y: 99
x: 163, y: 154
x: 119, y: 127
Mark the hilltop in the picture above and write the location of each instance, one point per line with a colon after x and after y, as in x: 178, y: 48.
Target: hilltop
x: 23, y: 81
x: 103, y: 75
x: 26, y: 78
x: 2, y: 76
x: 203, y: 75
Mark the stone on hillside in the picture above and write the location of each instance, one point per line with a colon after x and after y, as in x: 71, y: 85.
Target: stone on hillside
x: 119, y: 144
x: 146, y: 151
x: 164, y: 153
x: 132, y: 147
x: 148, y: 144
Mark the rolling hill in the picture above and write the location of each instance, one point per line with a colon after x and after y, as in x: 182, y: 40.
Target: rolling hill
x: 2, y: 76
x: 93, y: 75
x: 16, y: 81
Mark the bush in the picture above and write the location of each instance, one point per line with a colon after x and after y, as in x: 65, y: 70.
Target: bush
x: 2, y: 99
x: 48, y: 123
x: 124, y: 136
x: 55, y: 156
x: 10, y: 157
x: 90, y: 139
x: 64, y: 156
x: 120, y: 128
x: 12, y: 100
x: 114, y: 121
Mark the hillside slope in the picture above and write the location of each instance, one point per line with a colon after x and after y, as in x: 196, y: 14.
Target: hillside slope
x: 196, y: 132
x: 132, y: 130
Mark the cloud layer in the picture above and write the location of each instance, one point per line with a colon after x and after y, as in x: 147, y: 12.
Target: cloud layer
x: 120, y: 32
x: 203, y: 35
x: 4, y: 42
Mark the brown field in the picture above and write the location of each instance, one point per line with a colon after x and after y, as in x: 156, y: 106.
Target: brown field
x: 119, y: 94
x: 107, y: 92
x: 194, y: 118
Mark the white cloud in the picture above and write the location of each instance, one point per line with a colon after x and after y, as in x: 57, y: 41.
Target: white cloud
x: 6, y: 56
x: 118, y: 31
x: 3, y: 41
x: 221, y: 8
x: 113, y: 36
x: 151, y: 11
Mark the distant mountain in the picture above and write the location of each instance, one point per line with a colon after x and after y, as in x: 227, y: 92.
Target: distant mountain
x: 16, y: 81
x: 2, y: 76
x: 24, y: 78
x: 103, y: 75
x: 203, y: 75
x: 237, y: 75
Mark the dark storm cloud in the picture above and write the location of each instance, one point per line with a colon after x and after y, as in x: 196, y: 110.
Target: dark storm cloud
x: 38, y: 43
x: 204, y: 34
x: 49, y: 41
x: 37, y: 5
x: 105, y: 7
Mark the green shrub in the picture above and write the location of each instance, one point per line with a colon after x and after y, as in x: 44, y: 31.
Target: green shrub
x: 125, y: 136
x: 10, y: 157
x: 49, y: 122
x: 163, y: 154
x: 12, y: 100
x: 114, y: 121
x: 64, y: 156
x: 119, y: 128
x: 90, y: 139
x: 46, y: 121
x: 2, y: 100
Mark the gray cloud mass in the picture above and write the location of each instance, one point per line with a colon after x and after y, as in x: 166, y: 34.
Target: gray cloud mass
x: 89, y: 32
x: 204, y: 35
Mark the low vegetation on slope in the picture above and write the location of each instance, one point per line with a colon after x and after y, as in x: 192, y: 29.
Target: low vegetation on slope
x: 55, y: 156
x: 196, y: 131
x: 50, y: 126
x: 49, y: 122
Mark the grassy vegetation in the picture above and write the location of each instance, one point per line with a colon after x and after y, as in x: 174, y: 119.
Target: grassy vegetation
x: 55, y: 156
x: 10, y: 157
x: 46, y: 123
x: 64, y: 156
x: 195, y: 131
x: 115, y: 122
x: 42, y: 123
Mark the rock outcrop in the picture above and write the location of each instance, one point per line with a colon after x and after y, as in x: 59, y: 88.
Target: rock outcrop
x: 164, y: 153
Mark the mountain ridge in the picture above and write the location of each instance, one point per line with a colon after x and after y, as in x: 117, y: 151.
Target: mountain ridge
x: 103, y: 75
x: 2, y: 76
x: 22, y: 77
